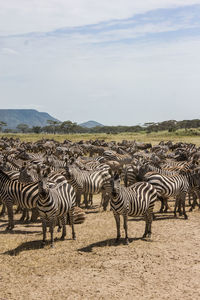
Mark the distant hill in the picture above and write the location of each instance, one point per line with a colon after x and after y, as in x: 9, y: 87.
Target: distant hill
x: 90, y: 124
x: 31, y: 117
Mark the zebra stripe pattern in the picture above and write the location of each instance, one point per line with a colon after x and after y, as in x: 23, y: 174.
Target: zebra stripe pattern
x: 135, y: 200
x: 86, y: 182
x: 176, y: 185
x: 54, y: 204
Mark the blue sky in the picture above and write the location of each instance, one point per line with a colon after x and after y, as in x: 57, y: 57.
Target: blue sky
x: 123, y: 62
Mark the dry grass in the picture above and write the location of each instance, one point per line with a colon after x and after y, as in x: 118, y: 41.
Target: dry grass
x: 153, y: 138
x: 94, y: 267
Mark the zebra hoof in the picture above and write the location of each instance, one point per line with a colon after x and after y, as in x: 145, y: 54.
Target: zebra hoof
x: 186, y: 217
x: 126, y: 241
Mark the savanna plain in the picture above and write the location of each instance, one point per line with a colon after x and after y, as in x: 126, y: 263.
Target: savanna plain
x: 94, y: 267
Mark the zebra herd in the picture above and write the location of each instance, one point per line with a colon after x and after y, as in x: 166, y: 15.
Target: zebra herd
x: 49, y: 179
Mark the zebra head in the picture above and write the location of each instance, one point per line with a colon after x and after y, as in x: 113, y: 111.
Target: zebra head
x: 112, y: 185
x: 115, y: 185
x: 43, y: 186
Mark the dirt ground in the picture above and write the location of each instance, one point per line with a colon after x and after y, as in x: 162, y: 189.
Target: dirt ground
x: 94, y: 267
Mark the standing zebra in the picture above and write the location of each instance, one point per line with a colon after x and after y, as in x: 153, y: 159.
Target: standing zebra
x: 137, y: 199
x: 175, y: 185
x: 54, y: 204
x: 86, y: 182
x: 24, y: 195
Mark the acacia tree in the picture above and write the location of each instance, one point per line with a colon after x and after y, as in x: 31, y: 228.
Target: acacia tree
x: 53, y: 125
x: 36, y: 129
x: 2, y: 124
x: 22, y: 127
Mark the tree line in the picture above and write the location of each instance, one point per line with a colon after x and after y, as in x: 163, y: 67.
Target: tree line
x: 66, y: 127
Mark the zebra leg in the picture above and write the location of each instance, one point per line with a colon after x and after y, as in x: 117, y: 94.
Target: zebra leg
x: 3, y: 210
x: 27, y: 214
x: 148, y: 221
x: 78, y: 199
x: 59, y: 225
x: 146, y: 226
x: 126, y: 229
x: 194, y: 203
x: 51, y: 232
x: 10, y: 216
x: 23, y: 215
x: 44, y: 231
x: 34, y: 215
x: 117, y: 219
x: 62, y: 223
x: 91, y: 199
x: 177, y: 201
x: 86, y: 200
x: 183, y: 204
x: 71, y: 220
x: 162, y: 204
x: 165, y: 203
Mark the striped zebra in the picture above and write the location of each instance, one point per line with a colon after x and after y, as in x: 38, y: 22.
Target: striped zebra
x: 175, y: 185
x: 24, y: 195
x: 86, y: 182
x: 121, y: 158
x: 135, y: 200
x: 13, y: 175
x: 129, y: 174
x: 54, y: 204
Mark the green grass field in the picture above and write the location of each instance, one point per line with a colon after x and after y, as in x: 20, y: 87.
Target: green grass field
x: 190, y: 136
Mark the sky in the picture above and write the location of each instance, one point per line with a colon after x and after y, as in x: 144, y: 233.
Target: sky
x: 118, y: 62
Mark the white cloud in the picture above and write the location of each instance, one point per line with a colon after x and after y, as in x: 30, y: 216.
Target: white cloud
x: 8, y: 51
x: 22, y: 16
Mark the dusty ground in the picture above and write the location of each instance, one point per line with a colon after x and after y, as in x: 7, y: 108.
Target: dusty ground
x: 94, y: 267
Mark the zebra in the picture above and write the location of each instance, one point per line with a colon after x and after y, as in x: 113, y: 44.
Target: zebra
x: 129, y: 175
x: 121, y: 158
x: 54, y: 204
x: 25, y: 176
x: 135, y: 200
x: 175, y: 185
x: 24, y: 195
x: 13, y: 175
x: 86, y: 182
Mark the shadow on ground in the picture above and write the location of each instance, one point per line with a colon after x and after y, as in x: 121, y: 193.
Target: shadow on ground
x: 32, y: 245
x: 110, y: 242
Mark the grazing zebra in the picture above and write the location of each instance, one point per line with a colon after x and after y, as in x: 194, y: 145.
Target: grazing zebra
x: 54, y: 204
x: 135, y: 200
x: 175, y: 185
x: 86, y: 182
